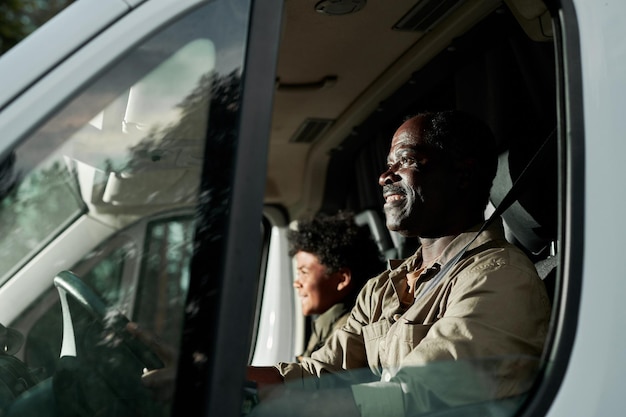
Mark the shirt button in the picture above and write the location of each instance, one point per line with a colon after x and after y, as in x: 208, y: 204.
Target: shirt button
x: 386, y: 376
x: 396, y: 317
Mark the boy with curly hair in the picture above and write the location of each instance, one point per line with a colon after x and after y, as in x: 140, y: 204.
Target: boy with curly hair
x: 334, y: 257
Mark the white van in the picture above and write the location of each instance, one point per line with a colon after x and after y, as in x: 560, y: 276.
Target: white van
x: 153, y: 154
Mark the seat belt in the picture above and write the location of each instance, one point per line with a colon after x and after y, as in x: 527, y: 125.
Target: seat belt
x: 511, y: 196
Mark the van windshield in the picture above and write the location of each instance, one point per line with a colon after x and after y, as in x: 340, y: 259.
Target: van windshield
x: 39, y: 202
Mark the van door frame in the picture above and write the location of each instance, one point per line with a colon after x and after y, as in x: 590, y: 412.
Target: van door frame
x: 217, y: 390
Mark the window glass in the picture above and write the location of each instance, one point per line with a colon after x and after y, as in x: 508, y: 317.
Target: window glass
x: 122, y: 146
x: 165, y: 277
x: 104, y: 196
x: 106, y: 277
x: 43, y: 341
x: 37, y: 205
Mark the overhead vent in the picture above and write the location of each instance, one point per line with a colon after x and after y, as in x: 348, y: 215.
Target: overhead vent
x: 310, y: 130
x: 426, y: 14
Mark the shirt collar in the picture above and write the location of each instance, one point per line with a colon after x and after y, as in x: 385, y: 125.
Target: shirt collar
x: 495, y: 231
x: 331, y: 315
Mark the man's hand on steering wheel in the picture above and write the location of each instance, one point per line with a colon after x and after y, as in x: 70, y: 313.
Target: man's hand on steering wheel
x: 159, y: 381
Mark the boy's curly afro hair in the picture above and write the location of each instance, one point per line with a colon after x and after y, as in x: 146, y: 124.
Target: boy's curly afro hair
x: 338, y: 242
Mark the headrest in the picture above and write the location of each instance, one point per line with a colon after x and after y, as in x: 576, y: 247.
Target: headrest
x: 532, y: 219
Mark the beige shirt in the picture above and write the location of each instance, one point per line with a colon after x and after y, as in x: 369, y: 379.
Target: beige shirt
x: 488, y: 318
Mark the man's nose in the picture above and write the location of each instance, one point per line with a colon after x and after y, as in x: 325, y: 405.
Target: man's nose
x: 389, y: 176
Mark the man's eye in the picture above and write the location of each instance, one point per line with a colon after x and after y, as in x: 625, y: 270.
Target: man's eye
x: 406, y: 161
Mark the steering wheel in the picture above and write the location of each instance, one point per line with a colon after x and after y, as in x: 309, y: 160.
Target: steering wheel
x: 100, y: 362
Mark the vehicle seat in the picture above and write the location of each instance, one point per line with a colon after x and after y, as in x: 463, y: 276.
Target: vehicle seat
x: 531, y: 222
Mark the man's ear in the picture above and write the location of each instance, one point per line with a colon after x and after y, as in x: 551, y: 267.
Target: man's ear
x: 345, y: 278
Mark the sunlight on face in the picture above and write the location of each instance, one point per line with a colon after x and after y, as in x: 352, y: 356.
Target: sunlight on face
x: 316, y: 288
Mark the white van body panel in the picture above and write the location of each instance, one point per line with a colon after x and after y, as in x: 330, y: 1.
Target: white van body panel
x: 595, y: 379
x: 134, y: 3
